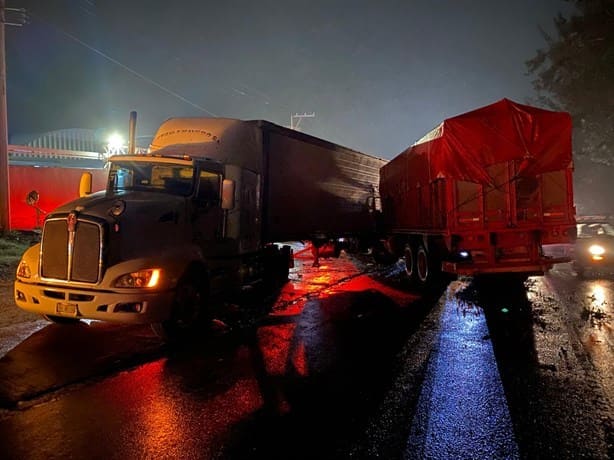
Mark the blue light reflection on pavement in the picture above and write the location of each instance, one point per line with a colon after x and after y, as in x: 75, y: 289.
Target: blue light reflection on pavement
x: 462, y: 411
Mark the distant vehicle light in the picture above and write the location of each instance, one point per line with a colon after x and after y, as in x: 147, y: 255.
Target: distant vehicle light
x: 464, y: 254
x: 596, y: 250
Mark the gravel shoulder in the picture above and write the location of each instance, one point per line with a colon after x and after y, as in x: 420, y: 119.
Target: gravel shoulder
x: 10, y: 314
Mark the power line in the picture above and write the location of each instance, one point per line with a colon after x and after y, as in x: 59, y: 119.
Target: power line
x: 152, y: 82
x: 128, y: 69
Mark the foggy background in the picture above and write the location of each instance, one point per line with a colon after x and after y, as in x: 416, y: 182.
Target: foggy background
x: 378, y: 75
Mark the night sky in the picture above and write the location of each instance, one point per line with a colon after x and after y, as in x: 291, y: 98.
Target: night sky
x: 377, y: 74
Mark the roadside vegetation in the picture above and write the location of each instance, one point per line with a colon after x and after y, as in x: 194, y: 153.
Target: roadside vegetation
x: 12, y: 246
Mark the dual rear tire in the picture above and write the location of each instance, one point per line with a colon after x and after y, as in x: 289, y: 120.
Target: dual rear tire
x: 419, y: 264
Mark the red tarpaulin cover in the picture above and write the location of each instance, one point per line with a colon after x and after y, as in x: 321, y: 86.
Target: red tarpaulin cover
x: 462, y: 147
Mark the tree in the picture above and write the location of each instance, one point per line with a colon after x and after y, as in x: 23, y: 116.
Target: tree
x: 575, y: 73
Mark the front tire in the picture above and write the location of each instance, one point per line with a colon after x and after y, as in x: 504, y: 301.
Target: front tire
x: 188, y: 311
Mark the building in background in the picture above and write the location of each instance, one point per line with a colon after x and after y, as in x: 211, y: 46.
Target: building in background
x: 45, y: 170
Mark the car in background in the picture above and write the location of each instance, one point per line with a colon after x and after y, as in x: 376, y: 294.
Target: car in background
x: 593, y: 251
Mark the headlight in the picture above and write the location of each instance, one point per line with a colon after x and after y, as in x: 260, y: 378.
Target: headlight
x: 596, y: 250
x: 141, y: 279
x: 23, y: 270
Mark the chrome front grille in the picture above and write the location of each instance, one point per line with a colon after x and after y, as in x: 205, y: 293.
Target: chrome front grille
x: 71, y: 252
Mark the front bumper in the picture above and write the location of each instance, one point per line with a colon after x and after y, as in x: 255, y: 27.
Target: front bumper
x: 586, y: 263
x: 132, y: 307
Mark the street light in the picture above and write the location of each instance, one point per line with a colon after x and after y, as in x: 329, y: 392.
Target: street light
x: 115, y: 144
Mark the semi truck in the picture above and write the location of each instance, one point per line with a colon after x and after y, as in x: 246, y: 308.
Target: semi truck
x: 203, y: 215
x: 481, y: 194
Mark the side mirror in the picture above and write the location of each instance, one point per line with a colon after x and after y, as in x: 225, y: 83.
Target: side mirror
x: 85, y: 184
x: 228, y: 194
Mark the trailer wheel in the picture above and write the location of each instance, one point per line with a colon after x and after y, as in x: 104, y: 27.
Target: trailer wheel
x: 410, y: 263
x: 422, y: 265
x: 188, y: 310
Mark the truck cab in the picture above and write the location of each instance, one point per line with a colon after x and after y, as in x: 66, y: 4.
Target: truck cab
x: 161, y: 240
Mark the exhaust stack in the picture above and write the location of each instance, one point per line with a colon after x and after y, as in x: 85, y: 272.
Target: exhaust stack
x: 132, y: 133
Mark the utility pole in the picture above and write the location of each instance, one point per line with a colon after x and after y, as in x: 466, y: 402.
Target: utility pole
x: 5, y: 210
x: 300, y: 118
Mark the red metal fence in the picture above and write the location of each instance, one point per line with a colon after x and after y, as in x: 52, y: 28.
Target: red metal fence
x: 54, y: 185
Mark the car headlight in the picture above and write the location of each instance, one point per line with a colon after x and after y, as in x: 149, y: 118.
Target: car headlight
x: 596, y: 250
x: 141, y: 279
x: 23, y: 270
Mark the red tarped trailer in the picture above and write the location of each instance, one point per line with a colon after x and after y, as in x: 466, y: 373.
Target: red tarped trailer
x: 482, y: 193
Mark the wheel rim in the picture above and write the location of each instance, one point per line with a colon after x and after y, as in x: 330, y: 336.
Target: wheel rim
x: 409, y: 261
x: 422, y: 265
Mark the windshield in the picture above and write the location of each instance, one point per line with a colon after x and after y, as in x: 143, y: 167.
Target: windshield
x: 592, y: 229
x: 159, y: 177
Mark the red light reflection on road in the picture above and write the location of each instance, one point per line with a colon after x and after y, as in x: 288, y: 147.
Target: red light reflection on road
x: 293, y: 333
x: 279, y: 354
x: 184, y: 405
x: 162, y: 410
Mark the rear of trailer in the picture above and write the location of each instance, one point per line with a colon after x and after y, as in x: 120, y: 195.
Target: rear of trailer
x: 482, y: 192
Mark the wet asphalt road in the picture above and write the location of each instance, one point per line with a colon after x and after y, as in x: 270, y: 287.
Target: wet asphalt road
x: 340, y: 364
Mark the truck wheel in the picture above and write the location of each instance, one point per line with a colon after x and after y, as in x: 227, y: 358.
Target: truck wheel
x: 422, y: 265
x: 410, y: 262
x: 61, y: 319
x: 188, y: 309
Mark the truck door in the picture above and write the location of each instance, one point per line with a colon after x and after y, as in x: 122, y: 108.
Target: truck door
x: 250, y: 211
x: 207, y: 214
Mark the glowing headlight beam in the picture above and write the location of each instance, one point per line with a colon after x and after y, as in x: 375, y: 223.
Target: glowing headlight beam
x: 140, y: 279
x: 596, y: 250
